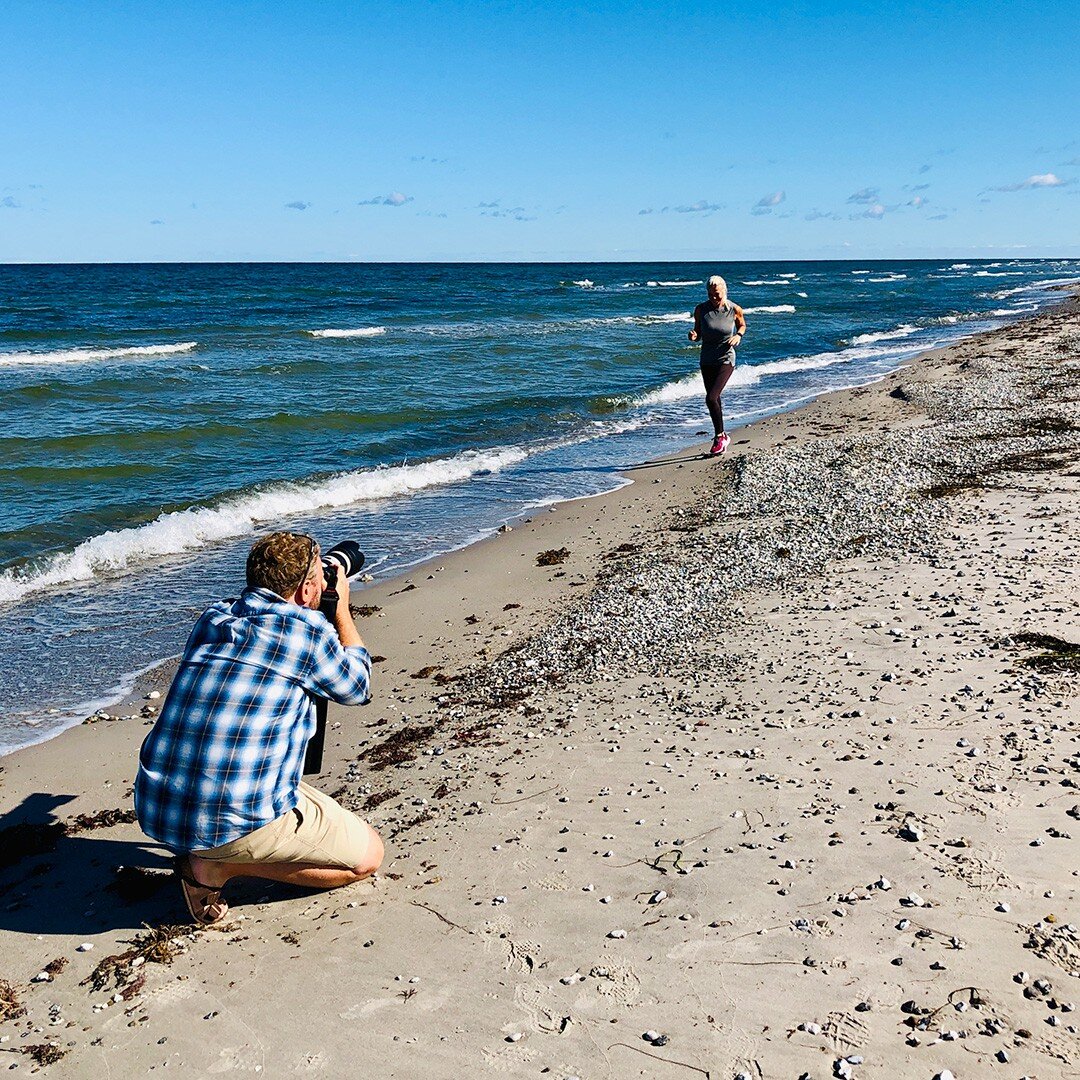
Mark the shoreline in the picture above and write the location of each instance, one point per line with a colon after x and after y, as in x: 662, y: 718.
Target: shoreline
x: 119, y: 703
x: 719, y: 694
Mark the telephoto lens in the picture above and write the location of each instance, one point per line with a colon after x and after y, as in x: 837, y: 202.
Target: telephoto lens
x: 346, y: 555
x: 346, y: 558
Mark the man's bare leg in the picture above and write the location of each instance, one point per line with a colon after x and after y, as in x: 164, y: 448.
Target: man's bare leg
x: 214, y: 873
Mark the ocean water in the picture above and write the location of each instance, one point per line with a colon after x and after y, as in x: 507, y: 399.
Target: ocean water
x: 153, y: 418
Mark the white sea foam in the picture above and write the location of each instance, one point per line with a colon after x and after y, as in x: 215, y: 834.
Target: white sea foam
x: 361, y: 331
x: 891, y: 277
x: 75, y: 356
x: 755, y: 283
x: 775, y: 309
x: 788, y: 276
x: 960, y: 266
x: 906, y: 330
x: 750, y: 374
x: 860, y: 271
x: 585, y: 283
x: 1003, y: 273
x: 671, y: 284
x: 198, y: 526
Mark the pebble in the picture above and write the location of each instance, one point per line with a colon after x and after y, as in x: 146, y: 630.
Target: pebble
x: 617, y: 934
x: 515, y: 1036
x: 86, y: 946
x: 1003, y: 906
x: 658, y: 896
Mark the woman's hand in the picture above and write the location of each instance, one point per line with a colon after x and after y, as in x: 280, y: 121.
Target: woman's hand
x: 736, y: 339
x: 692, y: 335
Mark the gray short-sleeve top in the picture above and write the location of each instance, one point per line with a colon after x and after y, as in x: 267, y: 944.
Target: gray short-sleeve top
x: 717, y: 328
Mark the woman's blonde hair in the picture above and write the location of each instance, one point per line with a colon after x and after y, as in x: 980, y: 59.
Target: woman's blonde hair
x: 717, y: 280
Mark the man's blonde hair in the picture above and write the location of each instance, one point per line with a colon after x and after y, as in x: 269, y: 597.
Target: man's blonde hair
x: 278, y: 562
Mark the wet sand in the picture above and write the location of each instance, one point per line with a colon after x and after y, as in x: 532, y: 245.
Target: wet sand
x: 755, y: 762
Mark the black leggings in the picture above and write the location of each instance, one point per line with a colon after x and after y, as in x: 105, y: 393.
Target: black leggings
x: 715, y: 377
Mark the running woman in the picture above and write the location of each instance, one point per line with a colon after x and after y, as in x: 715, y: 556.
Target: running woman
x: 719, y: 325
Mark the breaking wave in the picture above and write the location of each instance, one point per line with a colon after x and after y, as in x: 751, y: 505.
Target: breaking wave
x: 240, y: 515
x: 75, y: 356
x: 774, y: 309
x: 906, y: 330
x: 362, y: 331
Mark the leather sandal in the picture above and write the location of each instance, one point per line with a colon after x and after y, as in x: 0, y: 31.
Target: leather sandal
x: 204, y: 903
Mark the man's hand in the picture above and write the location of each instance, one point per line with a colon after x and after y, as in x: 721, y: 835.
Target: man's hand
x: 343, y: 620
x: 692, y: 335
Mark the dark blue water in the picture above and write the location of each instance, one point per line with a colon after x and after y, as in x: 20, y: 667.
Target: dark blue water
x: 152, y: 418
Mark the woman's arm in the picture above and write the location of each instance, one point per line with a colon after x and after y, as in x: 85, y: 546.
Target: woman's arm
x: 693, y: 335
x: 740, y: 322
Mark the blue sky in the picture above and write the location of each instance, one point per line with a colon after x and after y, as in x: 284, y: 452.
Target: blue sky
x: 134, y: 131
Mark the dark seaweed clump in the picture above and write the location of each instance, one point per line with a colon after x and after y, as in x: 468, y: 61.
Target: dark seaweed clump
x: 553, y: 557
x: 1056, y: 656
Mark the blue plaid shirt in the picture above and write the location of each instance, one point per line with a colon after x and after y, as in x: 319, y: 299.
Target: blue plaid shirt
x: 226, y: 754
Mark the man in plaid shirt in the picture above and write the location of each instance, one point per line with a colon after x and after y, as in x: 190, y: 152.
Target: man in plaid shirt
x: 219, y: 775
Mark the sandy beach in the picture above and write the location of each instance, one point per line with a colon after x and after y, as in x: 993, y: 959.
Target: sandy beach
x: 761, y: 767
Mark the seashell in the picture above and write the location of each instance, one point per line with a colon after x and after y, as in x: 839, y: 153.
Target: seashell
x: 514, y: 1036
x: 658, y: 896
x: 617, y: 934
x: 1003, y: 906
x: 86, y: 946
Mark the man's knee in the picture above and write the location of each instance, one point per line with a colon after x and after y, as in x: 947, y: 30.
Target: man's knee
x: 373, y: 856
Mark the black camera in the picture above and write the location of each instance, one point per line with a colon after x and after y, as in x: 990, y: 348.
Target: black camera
x: 344, y: 558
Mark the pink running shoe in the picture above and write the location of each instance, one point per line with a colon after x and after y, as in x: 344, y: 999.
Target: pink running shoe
x: 720, y: 444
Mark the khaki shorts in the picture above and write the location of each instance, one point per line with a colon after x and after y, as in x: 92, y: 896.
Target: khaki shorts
x: 316, y: 832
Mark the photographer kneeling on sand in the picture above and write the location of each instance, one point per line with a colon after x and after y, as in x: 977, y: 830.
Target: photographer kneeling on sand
x: 219, y: 774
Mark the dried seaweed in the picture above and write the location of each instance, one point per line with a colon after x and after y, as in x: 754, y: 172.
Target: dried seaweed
x: 553, y: 557
x: 398, y: 748
x: 1058, y: 656
x: 364, y: 611
x: 420, y: 819
x: 425, y: 672
x: 11, y: 1008
x: 156, y: 946
x: 103, y: 819
x: 43, y: 1053
x: 378, y: 798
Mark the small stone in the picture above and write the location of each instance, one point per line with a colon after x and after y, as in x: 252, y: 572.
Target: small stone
x: 658, y: 896
x: 86, y: 946
x: 617, y: 934
x: 514, y: 1036
x: 1003, y: 906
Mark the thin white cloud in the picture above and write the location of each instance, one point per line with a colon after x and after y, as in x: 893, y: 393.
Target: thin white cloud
x: 700, y: 207
x: 395, y: 198
x: 864, y: 196
x: 820, y: 215
x: 1039, y: 180
x: 297, y: 204
x: 775, y: 199
x: 917, y: 202
x: 9, y: 202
